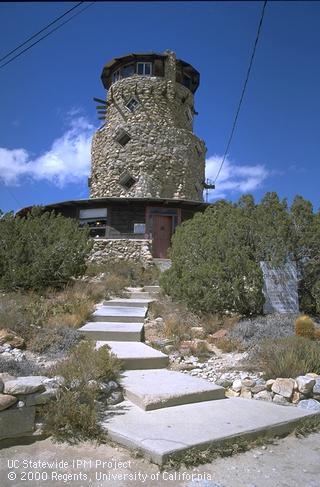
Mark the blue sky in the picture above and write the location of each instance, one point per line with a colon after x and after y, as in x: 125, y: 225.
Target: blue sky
x: 47, y: 115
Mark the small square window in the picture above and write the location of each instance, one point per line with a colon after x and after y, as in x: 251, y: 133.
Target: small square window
x: 139, y: 228
x: 122, y: 137
x: 132, y: 104
x: 127, y: 181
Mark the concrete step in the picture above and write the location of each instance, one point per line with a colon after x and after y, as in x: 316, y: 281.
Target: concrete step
x: 160, y: 388
x: 121, y: 314
x: 108, y: 331
x: 169, y: 432
x: 136, y: 355
x: 128, y: 302
x: 152, y: 289
x: 140, y: 295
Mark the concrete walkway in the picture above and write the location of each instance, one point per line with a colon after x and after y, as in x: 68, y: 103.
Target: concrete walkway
x: 167, y: 413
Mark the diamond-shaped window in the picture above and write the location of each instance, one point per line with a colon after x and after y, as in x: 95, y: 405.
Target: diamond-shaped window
x: 127, y: 181
x: 122, y: 137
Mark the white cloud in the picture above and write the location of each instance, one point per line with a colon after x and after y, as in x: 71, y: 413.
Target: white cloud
x: 234, y: 178
x: 67, y: 161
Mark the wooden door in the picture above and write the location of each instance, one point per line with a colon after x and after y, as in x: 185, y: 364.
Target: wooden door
x: 161, y: 235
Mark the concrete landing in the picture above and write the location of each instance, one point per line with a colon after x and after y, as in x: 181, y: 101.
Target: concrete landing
x: 122, y: 314
x: 136, y: 355
x: 168, y: 432
x: 128, y: 302
x: 100, y: 330
x: 155, y: 389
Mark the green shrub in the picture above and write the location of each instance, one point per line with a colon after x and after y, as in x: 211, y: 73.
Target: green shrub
x: 287, y: 357
x: 305, y: 327
x: 213, y: 267
x: 41, y: 250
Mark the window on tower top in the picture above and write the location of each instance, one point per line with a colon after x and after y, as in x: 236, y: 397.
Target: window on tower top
x: 144, y: 69
x: 128, y: 70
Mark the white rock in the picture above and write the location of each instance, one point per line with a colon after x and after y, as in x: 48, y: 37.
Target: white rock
x: 310, y: 404
x: 279, y: 399
x: 283, y: 387
x: 236, y: 385
x: 305, y: 384
x: 24, y: 385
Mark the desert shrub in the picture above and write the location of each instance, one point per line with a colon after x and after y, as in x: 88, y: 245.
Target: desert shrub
x: 176, y: 329
x: 252, y: 331
x: 304, y: 327
x: 41, y: 250
x: 286, y: 357
x: 317, y: 334
x: 115, y: 285
x: 75, y: 415
x: 213, y: 267
x: 20, y: 369
x: 86, y: 363
x: 215, y: 322
x: 54, y: 341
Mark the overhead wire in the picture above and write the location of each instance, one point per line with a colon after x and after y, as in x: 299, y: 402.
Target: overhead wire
x: 243, y: 91
x: 40, y: 31
x: 48, y: 33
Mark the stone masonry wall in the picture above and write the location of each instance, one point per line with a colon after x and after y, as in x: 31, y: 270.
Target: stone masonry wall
x: 164, y: 156
x: 121, y: 249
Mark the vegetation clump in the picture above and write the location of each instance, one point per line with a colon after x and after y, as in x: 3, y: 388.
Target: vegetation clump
x: 216, y: 255
x: 305, y: 327
x: 75, y: 415
x: 40, y: 250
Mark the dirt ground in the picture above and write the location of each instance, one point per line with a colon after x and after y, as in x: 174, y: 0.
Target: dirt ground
x: 290, y: 462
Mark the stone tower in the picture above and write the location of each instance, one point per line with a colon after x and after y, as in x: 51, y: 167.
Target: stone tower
x: 147, y: 147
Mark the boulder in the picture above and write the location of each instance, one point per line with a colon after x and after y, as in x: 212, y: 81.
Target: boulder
x: 279, y: 399
x: 25, y: 385
x: 283, y: 387
x: 316, y: 387
x: 248, y: 383
x: 258, y: 388
x: 6, y: 401
x: 305, y: 384
x: 269, y: 384
x: 10, y: 337
x: 313, y: 375
x: 38, y: 398
x: 5, y: 376
x: 237, y: 385
x: 310, y: 404
x: 1, y: 385
x: 246, y: 393
x: 264, y: 396
x: 197, y: 332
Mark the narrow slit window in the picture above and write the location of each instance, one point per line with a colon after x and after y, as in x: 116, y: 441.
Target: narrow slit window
x: 122, y: 137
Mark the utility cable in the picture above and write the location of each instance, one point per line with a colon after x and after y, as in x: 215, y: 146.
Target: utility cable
x: 46, y: 35
x: 243, y: 90
x: 40, y: 32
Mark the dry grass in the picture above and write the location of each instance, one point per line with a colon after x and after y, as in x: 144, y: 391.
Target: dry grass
x: 215, y: 322
x: 228, y: 345
x: 304, y: 327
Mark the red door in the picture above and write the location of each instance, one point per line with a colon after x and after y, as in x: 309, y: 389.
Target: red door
x: 161, y: 235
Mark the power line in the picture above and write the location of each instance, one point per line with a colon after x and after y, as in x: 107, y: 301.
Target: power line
x: 40, y: 31
x: 46, y: 35
x: 243, y: 91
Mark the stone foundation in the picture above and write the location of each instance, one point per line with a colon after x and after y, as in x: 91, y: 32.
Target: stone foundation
x: 137, y: 250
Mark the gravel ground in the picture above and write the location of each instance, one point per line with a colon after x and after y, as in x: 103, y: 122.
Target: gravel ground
x: 290, y: 462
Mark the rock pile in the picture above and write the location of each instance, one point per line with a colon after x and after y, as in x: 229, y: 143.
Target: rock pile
x: 303, y: 391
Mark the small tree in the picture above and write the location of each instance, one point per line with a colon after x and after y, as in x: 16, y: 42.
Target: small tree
x: 41, y: 250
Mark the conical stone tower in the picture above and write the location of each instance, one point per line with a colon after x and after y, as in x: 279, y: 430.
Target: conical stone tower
x: 147, y: 148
